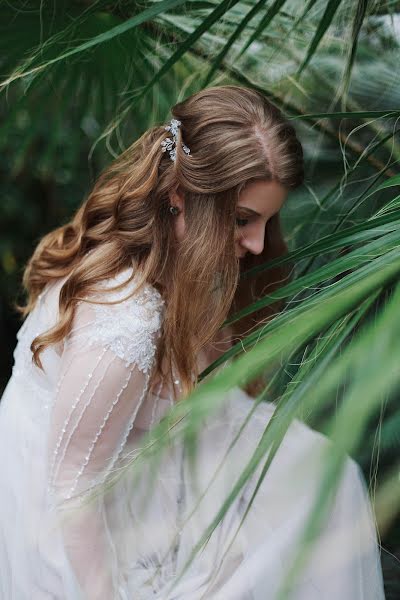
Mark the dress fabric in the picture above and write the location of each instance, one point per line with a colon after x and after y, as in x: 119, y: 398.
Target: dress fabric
x: 66, y: 428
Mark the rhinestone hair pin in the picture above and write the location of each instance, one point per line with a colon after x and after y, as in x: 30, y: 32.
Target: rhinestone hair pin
x: 170, y: 144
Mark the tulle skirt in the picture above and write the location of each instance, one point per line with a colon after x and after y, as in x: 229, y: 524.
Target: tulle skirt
x: 153, y: 528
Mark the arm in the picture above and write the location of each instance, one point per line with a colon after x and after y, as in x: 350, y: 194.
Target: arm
x: 103, y: 381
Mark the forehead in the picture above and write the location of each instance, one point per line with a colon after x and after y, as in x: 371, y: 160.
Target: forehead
x: 265, y: 197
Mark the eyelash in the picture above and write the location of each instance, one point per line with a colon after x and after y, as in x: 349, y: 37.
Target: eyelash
x: 243, y: 224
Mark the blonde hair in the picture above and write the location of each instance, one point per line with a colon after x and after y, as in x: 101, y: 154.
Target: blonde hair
x: 235, y: 136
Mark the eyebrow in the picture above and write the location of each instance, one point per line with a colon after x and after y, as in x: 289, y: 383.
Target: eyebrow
x: 248, y: 210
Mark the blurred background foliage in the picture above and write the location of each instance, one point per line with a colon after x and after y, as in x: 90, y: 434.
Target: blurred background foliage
x: 82, y: 79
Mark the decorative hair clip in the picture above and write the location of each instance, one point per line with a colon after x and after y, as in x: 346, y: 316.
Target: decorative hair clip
x: 170, y: 144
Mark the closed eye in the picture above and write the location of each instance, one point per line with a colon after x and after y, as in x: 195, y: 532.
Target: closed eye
x: 241, y: 222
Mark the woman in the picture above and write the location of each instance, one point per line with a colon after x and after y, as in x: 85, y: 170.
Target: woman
x: 125, y: 305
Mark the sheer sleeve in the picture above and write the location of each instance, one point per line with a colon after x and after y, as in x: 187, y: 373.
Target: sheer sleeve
x: 103, y: 381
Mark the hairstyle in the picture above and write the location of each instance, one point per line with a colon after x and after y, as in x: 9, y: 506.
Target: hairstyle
x: 235, y: 136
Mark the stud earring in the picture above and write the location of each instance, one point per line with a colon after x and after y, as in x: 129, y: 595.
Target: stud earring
x: 174, y: 210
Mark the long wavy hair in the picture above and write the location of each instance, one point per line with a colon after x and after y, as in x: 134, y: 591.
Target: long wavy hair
x: 235, y: 136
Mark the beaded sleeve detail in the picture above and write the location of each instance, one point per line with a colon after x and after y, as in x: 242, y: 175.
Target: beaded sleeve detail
x: 103, y: 382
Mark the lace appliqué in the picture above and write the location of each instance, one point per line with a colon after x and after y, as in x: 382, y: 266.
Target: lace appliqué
x: 130, y: 327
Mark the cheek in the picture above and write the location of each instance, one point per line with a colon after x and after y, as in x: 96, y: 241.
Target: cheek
x: 245, y: 233
x: 238, y: 238
x: 180, y: 227
x: 240, y: 233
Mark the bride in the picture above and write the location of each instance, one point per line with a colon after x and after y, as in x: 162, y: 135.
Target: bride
x: 124, y: 311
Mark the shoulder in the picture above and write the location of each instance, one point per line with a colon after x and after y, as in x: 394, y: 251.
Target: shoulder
x: 135, y: 305
x: 126, y: 321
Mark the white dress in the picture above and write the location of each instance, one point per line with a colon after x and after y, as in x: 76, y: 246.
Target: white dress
x: 66, y: 429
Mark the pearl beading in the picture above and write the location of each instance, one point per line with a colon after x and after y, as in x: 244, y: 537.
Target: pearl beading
x: 128, y: 330
x: 54, y: 471
x: 125, y: 437
x: 96, y: 481
x: 105, y: 419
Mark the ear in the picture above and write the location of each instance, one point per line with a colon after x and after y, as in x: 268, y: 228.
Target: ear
x: 177, y: 198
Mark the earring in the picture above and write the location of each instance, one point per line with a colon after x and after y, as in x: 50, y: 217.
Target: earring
x: 174, y: 210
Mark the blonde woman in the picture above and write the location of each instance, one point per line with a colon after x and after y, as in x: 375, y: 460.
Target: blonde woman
x: 125, y: 305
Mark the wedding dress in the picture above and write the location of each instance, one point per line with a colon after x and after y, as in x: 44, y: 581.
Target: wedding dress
x: 65, y: 429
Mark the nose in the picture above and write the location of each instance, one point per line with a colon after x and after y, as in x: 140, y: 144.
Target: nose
x: 254, y: 243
